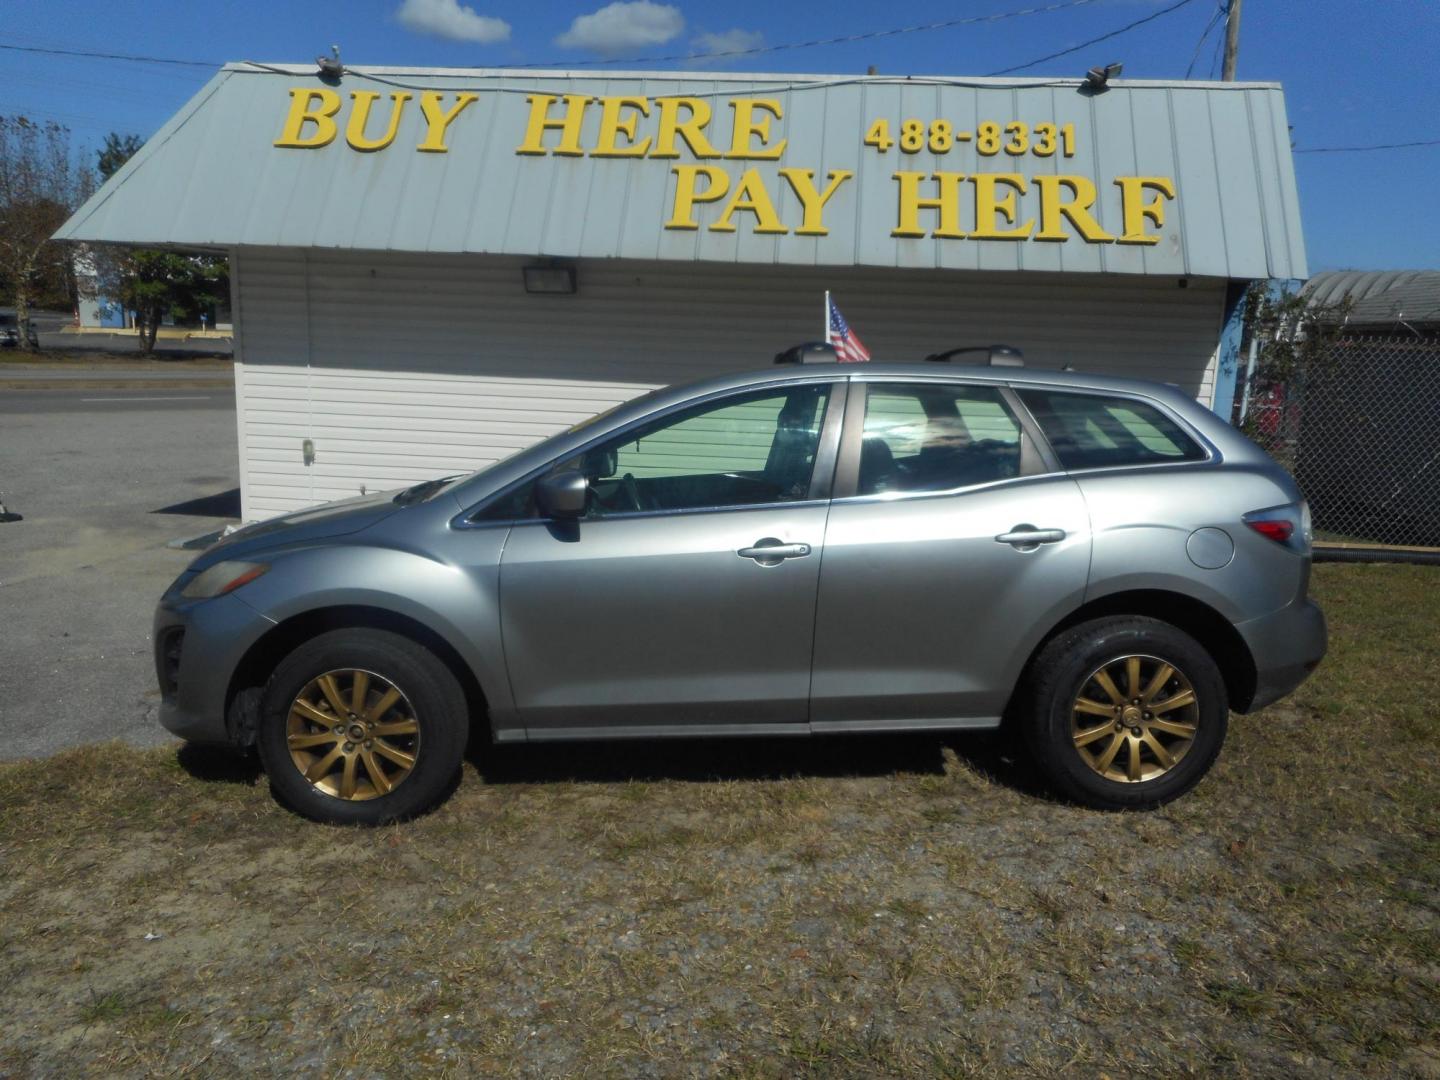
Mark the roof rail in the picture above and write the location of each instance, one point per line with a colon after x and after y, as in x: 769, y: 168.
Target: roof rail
x: 999, y: 355
x: 807, y: 352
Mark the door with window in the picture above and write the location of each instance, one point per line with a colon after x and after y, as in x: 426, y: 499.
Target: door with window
x: 953, y: 544
x: 685, y: 596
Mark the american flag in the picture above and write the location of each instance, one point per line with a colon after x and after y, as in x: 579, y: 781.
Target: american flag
x: 849, y: 349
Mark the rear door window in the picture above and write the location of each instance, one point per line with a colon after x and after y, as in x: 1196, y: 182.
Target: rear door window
x: 933, y: 437
x: 1090, y: 431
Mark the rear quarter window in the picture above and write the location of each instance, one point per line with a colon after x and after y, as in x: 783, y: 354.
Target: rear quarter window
x: 1089, y: 431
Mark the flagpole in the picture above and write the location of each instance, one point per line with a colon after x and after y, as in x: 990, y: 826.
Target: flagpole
x: 827, y: 317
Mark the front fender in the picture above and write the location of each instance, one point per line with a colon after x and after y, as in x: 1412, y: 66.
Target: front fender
x: 457, y: 600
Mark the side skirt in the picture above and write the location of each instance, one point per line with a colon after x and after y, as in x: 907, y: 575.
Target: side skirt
x: 710, y: 731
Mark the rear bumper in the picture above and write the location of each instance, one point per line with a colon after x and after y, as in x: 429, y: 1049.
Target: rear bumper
x: 1287, y: 645
x: 195, y: 672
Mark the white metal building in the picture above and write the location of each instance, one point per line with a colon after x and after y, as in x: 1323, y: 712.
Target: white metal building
x: 380, y: 228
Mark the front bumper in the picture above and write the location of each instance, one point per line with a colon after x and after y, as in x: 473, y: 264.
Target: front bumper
x: 1287, y: 645
x: 198, y: 646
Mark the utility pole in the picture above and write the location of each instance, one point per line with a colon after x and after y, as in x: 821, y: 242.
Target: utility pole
x: 1232, y: 40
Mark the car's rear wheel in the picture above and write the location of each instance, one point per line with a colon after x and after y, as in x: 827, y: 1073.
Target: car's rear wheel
x: 1124, y: 712
x: 362, y: 727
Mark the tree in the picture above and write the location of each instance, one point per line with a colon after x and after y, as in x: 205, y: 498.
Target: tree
x: 155, y: 284
x: 40, y: 186
x: 117, y: 150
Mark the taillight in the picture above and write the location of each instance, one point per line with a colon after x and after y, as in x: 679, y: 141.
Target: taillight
x: 1279, y: 531
x: 1288, y: 525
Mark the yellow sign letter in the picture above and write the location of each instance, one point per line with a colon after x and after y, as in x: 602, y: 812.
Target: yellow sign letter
x: 987, y: 206
x: 750, y: 194
x: 314, y: 106
x: 747, y: 126
x: 686, y: 196
x: 612, y: 125
x: 1132, y: 190
x: 691, y: 130
x: 1054, y: 205
x: 802, y: 182
x: 569, y: 125
x: 911, y: 204
x: 360, y: 115
x: 437, y: 120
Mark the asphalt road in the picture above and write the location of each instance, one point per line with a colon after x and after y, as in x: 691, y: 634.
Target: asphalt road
x: 96, y: 374
x: 157, y: 399
x: 102, y: 479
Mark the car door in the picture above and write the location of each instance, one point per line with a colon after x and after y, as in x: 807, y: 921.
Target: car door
x: 684, y: 598
x: 953, y: 544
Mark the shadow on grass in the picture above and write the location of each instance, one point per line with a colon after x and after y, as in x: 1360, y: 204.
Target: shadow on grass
x: 216, y: 765
x: 993, y: 754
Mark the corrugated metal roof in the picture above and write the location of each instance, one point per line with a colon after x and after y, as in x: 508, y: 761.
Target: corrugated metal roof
x: 1380, y: 297
x: 214, y: 176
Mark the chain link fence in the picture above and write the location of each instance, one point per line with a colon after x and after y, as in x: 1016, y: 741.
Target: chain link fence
x: 1359, y: 428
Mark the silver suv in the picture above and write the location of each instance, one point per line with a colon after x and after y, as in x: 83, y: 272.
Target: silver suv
x: 811, y: 548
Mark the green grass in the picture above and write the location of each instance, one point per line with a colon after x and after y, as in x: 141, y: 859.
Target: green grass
x: 890, y: 907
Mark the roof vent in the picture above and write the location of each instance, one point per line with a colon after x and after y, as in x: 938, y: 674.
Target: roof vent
x: 999, y: 355
x: 807, y: 352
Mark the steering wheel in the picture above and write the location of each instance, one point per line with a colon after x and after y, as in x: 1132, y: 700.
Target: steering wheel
x: 632, y: 491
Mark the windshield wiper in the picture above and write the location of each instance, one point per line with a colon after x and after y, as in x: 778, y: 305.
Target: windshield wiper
x: 422, y: 491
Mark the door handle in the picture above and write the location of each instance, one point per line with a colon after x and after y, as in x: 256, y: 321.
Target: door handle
x: 1028, y: 538
x: 769, y: 551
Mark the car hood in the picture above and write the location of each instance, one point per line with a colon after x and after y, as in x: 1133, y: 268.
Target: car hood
x: 302, y: 527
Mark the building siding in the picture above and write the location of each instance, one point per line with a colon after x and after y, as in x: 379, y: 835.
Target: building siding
x: 405, y: 367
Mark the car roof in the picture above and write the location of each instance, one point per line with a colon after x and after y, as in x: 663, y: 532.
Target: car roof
x: 1017, y: 376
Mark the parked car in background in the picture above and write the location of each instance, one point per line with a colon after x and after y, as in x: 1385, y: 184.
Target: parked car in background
x: 10, y: 333
x: 806, y: 549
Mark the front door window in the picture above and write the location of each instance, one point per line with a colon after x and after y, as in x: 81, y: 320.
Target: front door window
x: 752, y: 450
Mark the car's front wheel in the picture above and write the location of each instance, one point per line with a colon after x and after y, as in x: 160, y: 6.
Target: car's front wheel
x: 1124, y: 712
x: 362, y: 727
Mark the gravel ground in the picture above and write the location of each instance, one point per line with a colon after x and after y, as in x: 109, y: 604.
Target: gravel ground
x: 876, y: 907
x: 79, y: 576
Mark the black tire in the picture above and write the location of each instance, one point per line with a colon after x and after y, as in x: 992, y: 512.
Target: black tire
x: 1064, y: 668
x: 428, y: 689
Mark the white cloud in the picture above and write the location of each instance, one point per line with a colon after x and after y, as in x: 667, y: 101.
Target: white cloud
x: 728, y: 41
x: 624, y: 25
x: 450, y: 19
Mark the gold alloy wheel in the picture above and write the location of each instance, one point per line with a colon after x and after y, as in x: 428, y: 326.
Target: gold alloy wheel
x: 353, y: 734
x: 1138, y: 734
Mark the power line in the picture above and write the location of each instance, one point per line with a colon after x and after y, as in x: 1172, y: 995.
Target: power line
x: 1093, y: 41
x: 1360, y: 149
x: 871, y: 35
x: 1219, y: 11
x: 946, y: 24
x: 111, y: 56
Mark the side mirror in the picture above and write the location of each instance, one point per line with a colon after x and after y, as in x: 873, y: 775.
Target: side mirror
x: 561, y: 495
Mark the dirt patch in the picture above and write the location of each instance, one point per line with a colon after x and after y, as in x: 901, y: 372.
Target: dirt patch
x: 853, y: 907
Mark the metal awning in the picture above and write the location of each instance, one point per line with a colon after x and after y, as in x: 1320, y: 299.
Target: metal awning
x: 1158, y: 178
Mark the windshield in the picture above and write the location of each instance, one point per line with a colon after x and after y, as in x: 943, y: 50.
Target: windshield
x: 583, y: 424
x: 431, y: 488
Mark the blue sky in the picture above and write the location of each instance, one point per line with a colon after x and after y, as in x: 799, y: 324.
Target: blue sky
x: 1354, y: 73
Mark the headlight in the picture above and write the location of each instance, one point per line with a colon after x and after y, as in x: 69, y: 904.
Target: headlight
x: 222, y: 578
